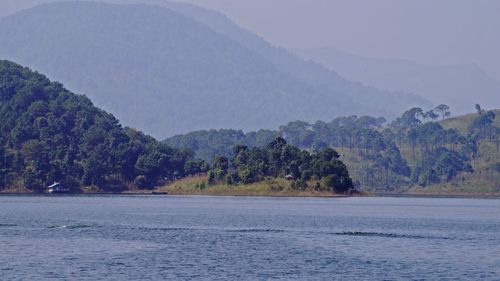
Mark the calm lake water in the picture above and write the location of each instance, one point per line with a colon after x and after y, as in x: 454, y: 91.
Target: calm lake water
x: 248, y: 238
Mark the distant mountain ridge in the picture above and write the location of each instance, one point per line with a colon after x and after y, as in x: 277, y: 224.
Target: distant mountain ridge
x: 312, y: 72
x: 460, y: 86
x: 165, y: 72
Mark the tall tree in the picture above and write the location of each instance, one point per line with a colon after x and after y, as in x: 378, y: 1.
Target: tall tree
x: 444, y: 110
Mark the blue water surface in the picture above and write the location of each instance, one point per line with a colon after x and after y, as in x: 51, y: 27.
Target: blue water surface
x: 248, y: 238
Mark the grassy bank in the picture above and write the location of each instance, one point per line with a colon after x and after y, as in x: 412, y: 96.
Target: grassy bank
x: 16, y: 190
x: 271, y: 187
x: 462, y: 122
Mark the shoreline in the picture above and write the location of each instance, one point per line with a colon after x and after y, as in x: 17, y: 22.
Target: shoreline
x: 438, y: 195
x: 271, y: 195
x: 153, y: 193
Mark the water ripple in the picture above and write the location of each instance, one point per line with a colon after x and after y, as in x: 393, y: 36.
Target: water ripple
x: 72, y: 226
x: 256, y: 230
x: 387, y: 235
x: 7, y: 225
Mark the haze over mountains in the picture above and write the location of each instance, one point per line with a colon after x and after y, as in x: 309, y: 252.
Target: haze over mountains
x: 167, y: 72
x: 460, y: 86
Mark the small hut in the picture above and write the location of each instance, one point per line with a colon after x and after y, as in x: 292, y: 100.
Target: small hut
x: 57, y: 187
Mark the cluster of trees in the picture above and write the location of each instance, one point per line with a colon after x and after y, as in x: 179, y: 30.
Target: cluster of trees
x: 482, y: 126
x: 416, y: 116
x: 439, y: 154
x: 279, y: 159
x: 364, y: 134
x: 212, y: 143
x: 415, y: 148
x: 50, y: 134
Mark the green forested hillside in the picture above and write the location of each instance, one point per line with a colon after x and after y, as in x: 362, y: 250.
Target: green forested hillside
x: 211, y: 143
x: 420, y: 151
x: 50, y: 134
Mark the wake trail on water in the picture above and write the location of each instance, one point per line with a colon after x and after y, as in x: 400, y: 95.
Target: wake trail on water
x: 387, y: 235
x: 254, y: 230
x: 72, y: 226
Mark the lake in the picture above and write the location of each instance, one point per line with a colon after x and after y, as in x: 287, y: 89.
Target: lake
x: 248, y: 238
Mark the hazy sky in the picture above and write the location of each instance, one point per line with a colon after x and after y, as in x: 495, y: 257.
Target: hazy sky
x: 430, y: 31
x: 427, y: 31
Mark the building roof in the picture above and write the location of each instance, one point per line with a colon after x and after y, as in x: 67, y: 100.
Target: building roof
x: 54, y: 184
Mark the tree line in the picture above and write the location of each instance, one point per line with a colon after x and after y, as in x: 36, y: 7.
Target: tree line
x: 413, y: 149
x: 321, y: 170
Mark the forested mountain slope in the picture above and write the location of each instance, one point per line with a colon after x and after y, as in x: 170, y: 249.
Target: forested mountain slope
x: 49, y: 134
x: 166, y: 73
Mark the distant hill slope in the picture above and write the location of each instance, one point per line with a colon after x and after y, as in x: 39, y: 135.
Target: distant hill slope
x: 486, y: 163
x: 455, y: 155
x: 462, y: 122
x: 166, y: 73
x: 460, y: 86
